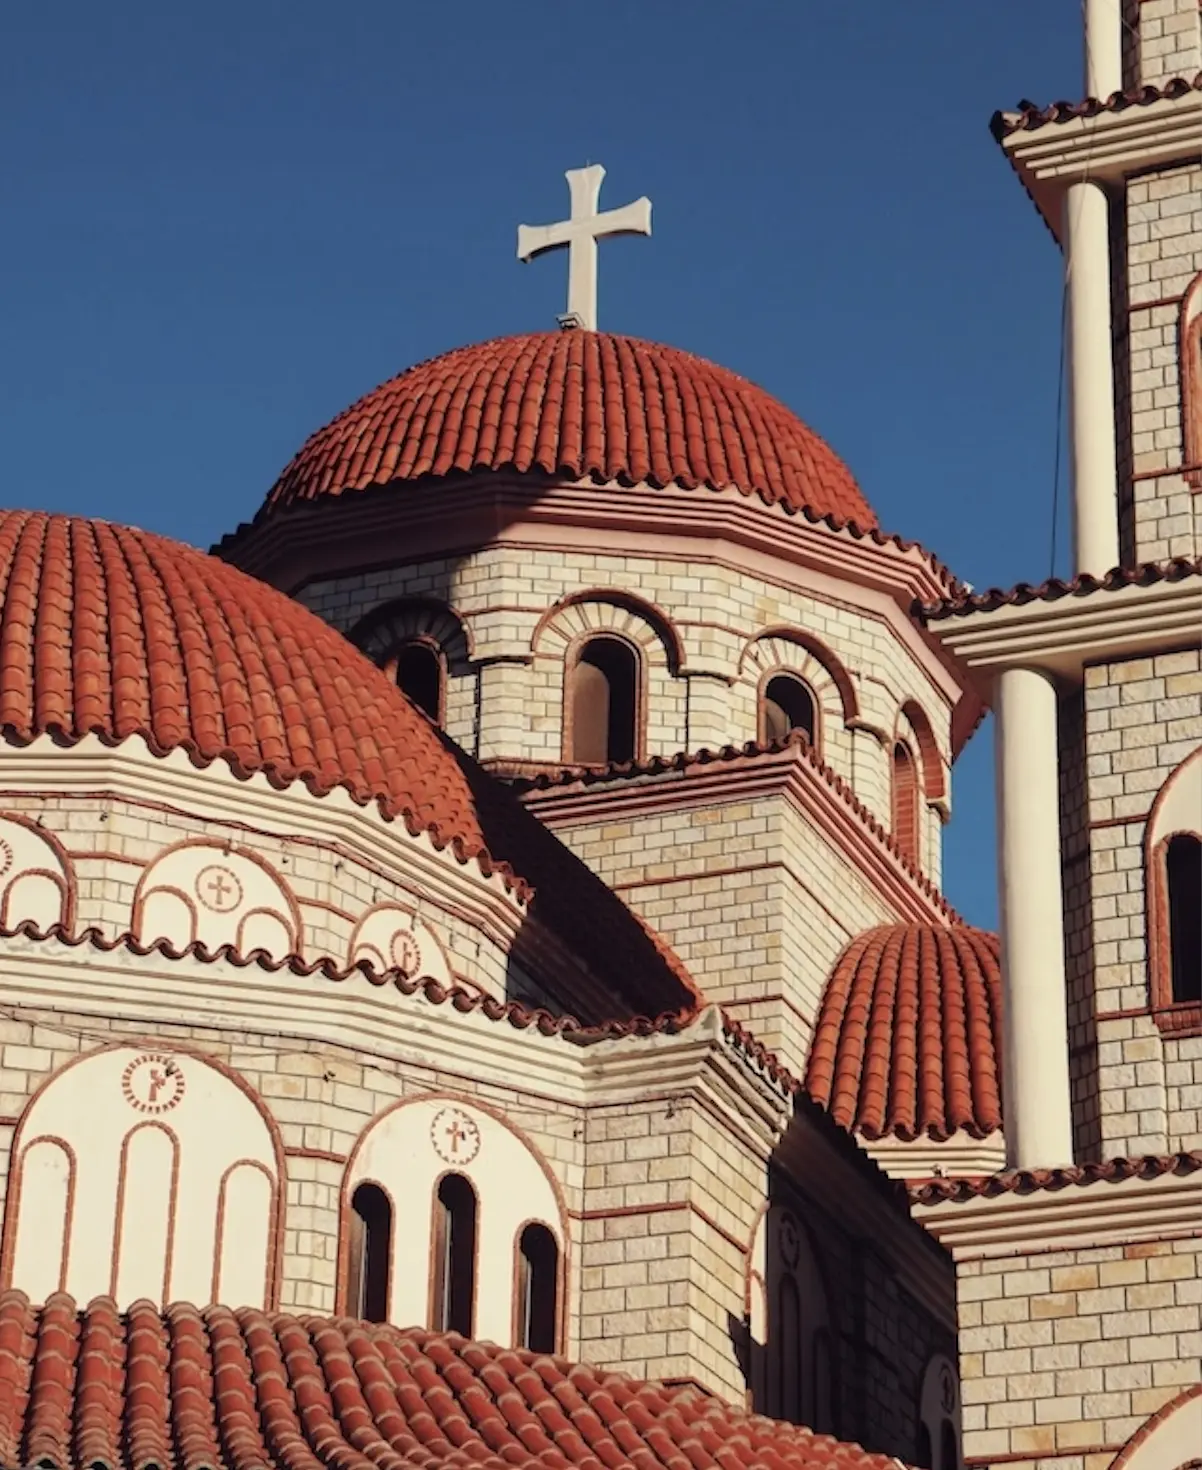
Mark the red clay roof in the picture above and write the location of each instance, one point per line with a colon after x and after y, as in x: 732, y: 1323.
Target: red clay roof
x: 1143, y: 574
x: 908, y: 1038
x: 114, y: 632
x: 580, y: 405
x: 187, y: 1390
x: 1031, y: 116
x: 1031, y: 1181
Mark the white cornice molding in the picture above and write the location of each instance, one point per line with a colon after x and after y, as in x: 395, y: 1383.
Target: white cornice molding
x: 959, y: 1156
x: 1065, y: 635
x: 1074, y: 1217
x: 1106, y: 148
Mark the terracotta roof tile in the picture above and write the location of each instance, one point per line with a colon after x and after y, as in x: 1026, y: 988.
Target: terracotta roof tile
x: 1031, y: 116
x: 113, y: 632
x: 1144, y: 574
x: 1030, y: 1181
x: 908, y: 1037
x: 185, y: 1389
x: 581, y: 405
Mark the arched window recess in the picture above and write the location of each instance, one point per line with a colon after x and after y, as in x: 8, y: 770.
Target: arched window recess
x: 787, y: 704
x: 369, y: 1257
x: 1173, y: 879
x: 536, y: 1290
x: 1183, y: 891
x: 419, y: 668
x: 453, y: 1287
x: 905, y: 800
x: 603, y: 712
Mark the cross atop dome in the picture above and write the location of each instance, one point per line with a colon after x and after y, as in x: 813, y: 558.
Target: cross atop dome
x: 580, y: 234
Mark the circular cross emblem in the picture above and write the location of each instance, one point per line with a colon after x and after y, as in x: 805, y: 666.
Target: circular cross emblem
x: 153, y: 1083
x: 406, y: 953
x: 947, y: 1389
x: 790, y: 1241
x: 218, y: 889
x: 455, y: 1136
x: 6, y: 857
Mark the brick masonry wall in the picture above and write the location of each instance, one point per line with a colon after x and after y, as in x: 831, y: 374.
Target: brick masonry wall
x: 1169, y: 39
x: 1064, y: 1354
x: 1162, y: 516
x: 514, y: 709
x: 1143, y: 717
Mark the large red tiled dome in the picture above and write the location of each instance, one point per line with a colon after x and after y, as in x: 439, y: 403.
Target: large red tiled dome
x: 584, y: 405
x: 908, y: 1038
x: 110, y: 631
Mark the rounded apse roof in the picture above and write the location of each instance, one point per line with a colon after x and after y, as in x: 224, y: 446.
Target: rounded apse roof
x: 908, y: 1036
x: 582, y: 405
x: 114, y: 632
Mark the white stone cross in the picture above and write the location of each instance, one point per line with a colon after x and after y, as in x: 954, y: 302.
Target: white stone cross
x: 580, y: 234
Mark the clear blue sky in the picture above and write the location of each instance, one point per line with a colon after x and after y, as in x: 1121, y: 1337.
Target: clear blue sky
x: 224, y: 222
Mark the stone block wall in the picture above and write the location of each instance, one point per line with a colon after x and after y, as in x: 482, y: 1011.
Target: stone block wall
x: 1137, y: 1086
x: 1163, y: 40
x: 1160, y: 509
x: 1066, y: 1353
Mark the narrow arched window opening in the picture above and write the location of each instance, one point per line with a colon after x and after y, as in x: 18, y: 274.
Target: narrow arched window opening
x: 949, y: 1458
x: 905, y: 802
x: 603, y: 706
x: 922, y: 1454
x: 537, y: 1289
x: 418, y: 671
x: 370, y: 1253
x: 454, y: 1286
x: 787, y: 705
x: 1183, y: 881
x: 789, y: 1351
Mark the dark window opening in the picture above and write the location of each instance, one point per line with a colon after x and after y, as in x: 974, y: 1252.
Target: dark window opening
x: 604, y: 703
x: 822, y: 1419
x: 419, y: 675
x: 787, y: 706
x: 538, y: 1278
x: 922, y: 1455
x: 1183, y: 874
x: 454, y: 1256
x: 949, y: 1458
x: 370, y: 1253
x: 788, y: 1351
x: 905, y: 802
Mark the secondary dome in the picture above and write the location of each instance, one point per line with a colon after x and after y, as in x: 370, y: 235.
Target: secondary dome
x: 908, y: 1037
x: 581, y: 405
x: 110, y: 631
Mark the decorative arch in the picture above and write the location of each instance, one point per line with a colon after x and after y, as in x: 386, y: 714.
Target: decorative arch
x: 37, y: 881
x: 784, y: 646
x: 407, y: 1151
x: 905, y: 802
x: 610, y: 610
x: 939, y: 1416
x: 1174, y: 825
x: 1189, y: 339
x: 390, y: 936
x: 215, y: 893
x: 934, y: 784
x: 1170, y: 1438
x: 145, y: 1170
x: 411, y: 619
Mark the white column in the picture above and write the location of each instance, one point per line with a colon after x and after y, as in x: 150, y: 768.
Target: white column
x: 1103, y: 47
x: 1091, y: 380
x: 1039, y: 1130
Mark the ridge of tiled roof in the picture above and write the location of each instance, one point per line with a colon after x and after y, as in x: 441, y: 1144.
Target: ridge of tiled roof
x: 907, y: 1042
x: 515, y: 1013
x: 658, y: 765
x: 185, y: 1388
x: 590, y: 405
x: 1031, y: 116
x: 1144, y: 574
x: 115, y: 633
x: 1030, y: 1181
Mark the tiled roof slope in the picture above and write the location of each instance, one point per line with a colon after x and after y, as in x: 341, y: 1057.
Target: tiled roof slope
x: 1031, y: 116
x: 1084, y: 584
x: 908, y: 1038
x: 114, y: 632
x: 246, y: 1390
x: 1032, y: 1181
x: 581, y: 405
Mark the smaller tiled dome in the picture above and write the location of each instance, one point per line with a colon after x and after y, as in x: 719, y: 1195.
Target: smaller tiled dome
x: 908, y: 1039
x: 585, y: 405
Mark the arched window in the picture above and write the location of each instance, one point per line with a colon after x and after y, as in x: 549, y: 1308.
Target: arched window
x: 904, y: 801
x: 1191, y: 381
x: 789, y: 1354
x: 419, y: 672
x: 939, y: 1416
x: 787, y: 705
x: 603, y: 702
x: 370, y: 1253
x: 454, y: 1285
x: 537, y: 1289
x: 1183, y: 885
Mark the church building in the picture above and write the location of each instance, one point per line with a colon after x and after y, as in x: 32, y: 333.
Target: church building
x: 477, y: 986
